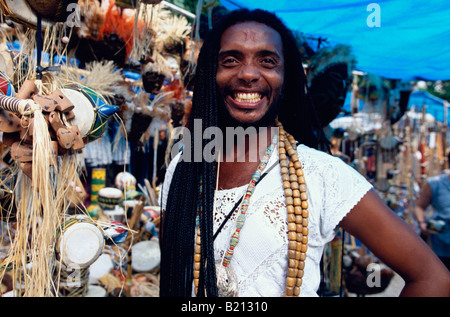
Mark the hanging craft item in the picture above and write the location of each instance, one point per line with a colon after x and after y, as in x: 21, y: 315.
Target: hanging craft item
x: 148, y: 20
x: 329, y: 76
x: 145, y: 111
x: 18, y: 125
x: 91, y: 110
x: 174, y: 31
x: 53, y: 10
x: 93, y: 14
x: 154, y: 71
x: 188, y: 61
x: 20, y: 12
x: 103, y: 33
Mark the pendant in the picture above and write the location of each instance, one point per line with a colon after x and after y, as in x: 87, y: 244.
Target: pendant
x: 227, y: 282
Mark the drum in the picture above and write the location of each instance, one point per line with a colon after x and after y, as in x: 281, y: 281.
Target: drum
x: 91, y: 110
x: 98, y: 179
x: 102, y: 266
x: 79, y: 242
x: 145, y: 255
x: 109, y: 197
x: 115, y: 233
x: 72, y: 282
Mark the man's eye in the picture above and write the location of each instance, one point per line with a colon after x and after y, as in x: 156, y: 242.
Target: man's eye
x: 268, y: 61
x: 229, y: 60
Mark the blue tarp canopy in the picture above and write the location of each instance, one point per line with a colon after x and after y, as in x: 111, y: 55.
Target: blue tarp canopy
x: 411, y: 42
x: 433, y: 105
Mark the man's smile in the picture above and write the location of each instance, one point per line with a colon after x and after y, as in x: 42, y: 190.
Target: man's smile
x: 246, y: 100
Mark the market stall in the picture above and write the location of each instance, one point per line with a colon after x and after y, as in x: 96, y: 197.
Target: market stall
x: 89, y: 98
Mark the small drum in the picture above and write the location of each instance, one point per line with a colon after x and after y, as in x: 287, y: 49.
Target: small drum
x: 79, y: 242
x: 109, y: 197
x: 91, y: 110
x: 115, y: 233
x: 72, y: 282
x: 102, y: 266
x: 145, y: 255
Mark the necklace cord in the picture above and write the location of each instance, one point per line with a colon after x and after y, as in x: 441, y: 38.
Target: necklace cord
x: 239, y: 202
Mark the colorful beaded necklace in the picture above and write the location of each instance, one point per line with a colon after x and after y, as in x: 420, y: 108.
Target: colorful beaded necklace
x: 297, y: 215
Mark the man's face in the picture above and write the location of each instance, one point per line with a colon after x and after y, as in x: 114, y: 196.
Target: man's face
x: 250, y: 71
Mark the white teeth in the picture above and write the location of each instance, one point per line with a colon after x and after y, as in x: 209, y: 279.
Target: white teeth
x: 247, y: 97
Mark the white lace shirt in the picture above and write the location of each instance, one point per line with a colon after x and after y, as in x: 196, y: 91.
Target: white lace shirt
x: 260, y: 259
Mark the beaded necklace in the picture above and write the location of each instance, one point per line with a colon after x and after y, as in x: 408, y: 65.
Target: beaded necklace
x: 297, y: 215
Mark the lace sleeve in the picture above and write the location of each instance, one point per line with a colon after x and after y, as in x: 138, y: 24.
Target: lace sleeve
x: 346, y: 188
x: 342, y: 187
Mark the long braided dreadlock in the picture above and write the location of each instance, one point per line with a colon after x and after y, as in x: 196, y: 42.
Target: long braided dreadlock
x: 193, y: 183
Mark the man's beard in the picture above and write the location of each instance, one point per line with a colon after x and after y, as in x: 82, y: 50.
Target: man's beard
x: 226, y: 120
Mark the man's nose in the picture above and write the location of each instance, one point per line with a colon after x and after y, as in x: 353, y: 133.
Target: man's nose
x: 249, y: 73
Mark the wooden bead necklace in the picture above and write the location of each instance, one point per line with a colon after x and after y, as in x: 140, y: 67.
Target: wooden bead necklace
x: 297, y: 215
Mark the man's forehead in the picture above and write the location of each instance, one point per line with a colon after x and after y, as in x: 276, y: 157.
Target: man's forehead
x: 252, y: 32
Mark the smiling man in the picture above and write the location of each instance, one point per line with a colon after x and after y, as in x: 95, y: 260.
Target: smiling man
x: 258, y: 228
x: 250, y: 73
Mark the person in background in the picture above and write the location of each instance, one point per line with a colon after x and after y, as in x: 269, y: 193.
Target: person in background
x: 435, y: 192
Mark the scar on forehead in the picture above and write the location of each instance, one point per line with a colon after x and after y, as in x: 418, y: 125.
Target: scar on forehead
x: 250, y: 35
